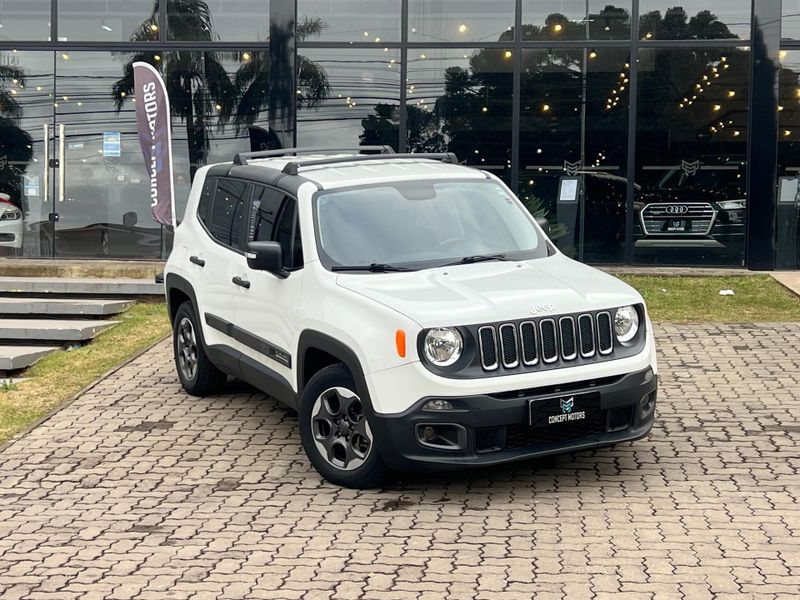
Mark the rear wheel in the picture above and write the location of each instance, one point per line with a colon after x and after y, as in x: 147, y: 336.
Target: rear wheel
x: 198, y: 375
x: 336, y: 433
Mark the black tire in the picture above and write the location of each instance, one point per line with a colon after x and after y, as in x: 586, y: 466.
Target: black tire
x: 347, y: 431
x: 203, y: 379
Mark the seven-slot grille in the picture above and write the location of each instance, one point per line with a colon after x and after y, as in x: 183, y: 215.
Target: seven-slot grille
x: 547, y: 340
x: 693, y: 218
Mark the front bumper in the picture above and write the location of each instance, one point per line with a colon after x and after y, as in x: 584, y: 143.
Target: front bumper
x: 490, y: 429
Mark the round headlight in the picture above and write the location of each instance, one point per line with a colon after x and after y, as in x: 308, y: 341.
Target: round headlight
x: 626, y: 323
x: 443, y: 346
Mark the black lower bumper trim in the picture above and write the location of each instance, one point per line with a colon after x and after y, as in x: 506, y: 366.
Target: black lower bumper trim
x: 498, y: 430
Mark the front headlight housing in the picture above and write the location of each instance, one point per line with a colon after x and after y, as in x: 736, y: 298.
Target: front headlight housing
x: 443, y: 346
x: 732, y: 204
x: 626, y: 323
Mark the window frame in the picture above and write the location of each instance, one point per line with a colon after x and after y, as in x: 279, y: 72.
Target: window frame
x: 293, y: 202
x: 243, y: 230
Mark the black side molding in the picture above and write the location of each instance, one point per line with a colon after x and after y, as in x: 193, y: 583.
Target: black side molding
x: 254, y: 342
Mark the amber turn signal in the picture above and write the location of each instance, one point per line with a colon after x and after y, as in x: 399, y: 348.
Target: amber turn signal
x: 400, y: 342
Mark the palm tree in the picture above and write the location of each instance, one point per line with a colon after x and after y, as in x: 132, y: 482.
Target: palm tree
x: 16, y: 145
x: 196, y: 81
x: 252, y: 81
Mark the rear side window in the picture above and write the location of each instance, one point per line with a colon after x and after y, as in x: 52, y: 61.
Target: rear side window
x: 206, y: 199
x: 227, y: 211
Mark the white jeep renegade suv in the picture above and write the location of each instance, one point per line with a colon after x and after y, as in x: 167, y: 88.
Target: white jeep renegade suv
x: 409, y: 308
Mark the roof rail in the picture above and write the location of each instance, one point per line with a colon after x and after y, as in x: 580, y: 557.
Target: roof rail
x: 293, y: 168
x: 242, y: 157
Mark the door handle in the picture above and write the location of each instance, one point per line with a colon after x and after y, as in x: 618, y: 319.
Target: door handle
x: 241, y: 282
x: 61, y: 162
x: 46, y: 186
x: 196, y: 260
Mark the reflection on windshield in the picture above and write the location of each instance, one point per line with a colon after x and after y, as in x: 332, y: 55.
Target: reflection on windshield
x: 423, y: 224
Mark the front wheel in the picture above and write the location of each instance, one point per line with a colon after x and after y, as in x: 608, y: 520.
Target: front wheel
x: 335, y: 431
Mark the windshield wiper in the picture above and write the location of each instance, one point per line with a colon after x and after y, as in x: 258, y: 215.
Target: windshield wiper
x: 372, y: 268
x: 467, y: 260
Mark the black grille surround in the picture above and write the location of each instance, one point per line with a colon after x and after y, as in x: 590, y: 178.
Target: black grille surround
x: 539, y: 344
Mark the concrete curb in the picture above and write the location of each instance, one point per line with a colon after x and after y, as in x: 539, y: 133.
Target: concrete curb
x: 47, y: 416
x: 790, y: 280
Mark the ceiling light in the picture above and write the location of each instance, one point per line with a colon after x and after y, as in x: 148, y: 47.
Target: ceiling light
x: 508, y: 54
x: 557, y: 27
x: 462, y: 28
x: 593, y: 54
x: 106, y: 26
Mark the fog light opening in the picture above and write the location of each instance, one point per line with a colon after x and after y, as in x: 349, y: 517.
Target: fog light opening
x: 442, y: 436
x: 648, y: 403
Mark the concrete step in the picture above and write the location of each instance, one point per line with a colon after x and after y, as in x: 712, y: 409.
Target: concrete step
x: 57, y: 267
x: 63, y: 306
x: 51, y: 330
x: 13, y: 358
x: 81, y: 286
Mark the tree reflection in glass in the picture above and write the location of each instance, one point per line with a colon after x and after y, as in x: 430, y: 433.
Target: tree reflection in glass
x: 15, y: 143
x: 205, y: 93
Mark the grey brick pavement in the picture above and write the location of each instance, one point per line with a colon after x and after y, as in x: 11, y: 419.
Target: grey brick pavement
x: 138, y: 491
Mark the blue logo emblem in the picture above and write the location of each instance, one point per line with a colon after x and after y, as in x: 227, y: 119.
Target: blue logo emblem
x: 567, y: 404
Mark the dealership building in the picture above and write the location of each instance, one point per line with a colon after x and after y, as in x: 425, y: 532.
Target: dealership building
x: 653, y: 132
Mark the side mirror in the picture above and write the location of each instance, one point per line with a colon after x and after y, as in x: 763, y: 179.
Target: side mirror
x: 544, y: 224
x: 266, y: 256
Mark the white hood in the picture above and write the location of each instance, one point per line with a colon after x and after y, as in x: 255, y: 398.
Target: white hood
x: 493, y: 291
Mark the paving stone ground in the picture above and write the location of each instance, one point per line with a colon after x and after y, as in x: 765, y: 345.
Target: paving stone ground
x: 137, y: 490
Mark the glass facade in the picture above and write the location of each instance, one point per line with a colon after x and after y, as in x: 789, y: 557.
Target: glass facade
x: 638, y: 128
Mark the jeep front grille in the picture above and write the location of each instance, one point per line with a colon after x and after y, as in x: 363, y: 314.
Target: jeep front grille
x: 488, y: 341
x: 549, y: 340
x: 694, y: 218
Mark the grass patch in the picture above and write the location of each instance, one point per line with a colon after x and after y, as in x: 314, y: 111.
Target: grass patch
x: 60, y: 375
x: 697, y: 299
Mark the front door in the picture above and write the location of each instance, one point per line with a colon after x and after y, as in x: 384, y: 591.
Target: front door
x: 70, y: 159
x: 264, y: 309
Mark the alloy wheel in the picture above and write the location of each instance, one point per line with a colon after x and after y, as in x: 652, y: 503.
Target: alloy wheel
x: 187, y: 349
x: 340, y: 429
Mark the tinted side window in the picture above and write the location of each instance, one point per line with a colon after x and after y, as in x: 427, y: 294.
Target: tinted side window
x: 227, y: 211
x: 297, y: 251
x: 206, y: 198
x: 274, y: 218
x: 285, y: 231
x: 266, y: 206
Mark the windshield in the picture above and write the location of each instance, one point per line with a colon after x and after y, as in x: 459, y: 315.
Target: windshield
x: 424, y: 224
x: 701, y: 178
